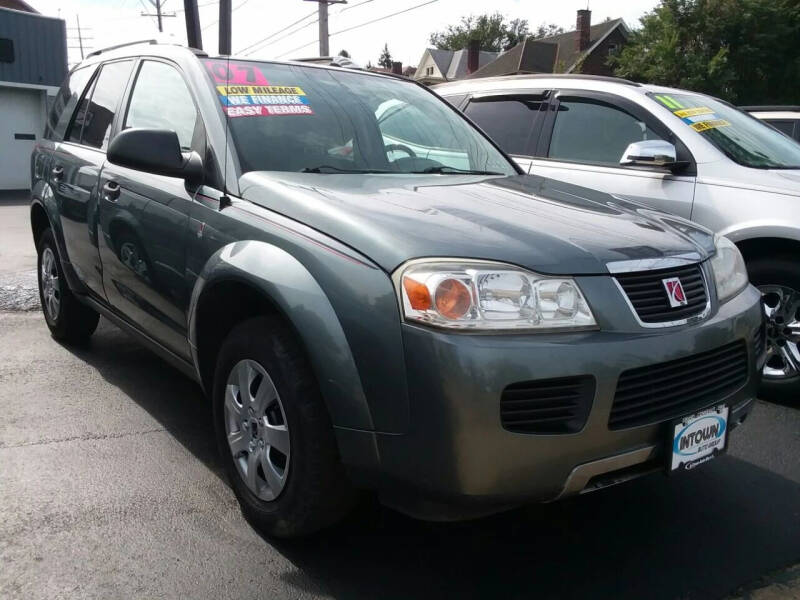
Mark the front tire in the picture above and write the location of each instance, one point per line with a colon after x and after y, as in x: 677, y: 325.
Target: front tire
x: 778, y: 279
x: 274, y: 432
x: 68, y: 319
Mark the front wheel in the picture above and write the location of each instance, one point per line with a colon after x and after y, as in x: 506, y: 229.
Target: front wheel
x: 68, y: 319
x: 274, y: 433
x: 778, y: 279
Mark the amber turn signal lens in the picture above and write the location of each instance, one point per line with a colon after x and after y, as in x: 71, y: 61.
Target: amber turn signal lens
x: 453, y: 299
x: 418, y: 295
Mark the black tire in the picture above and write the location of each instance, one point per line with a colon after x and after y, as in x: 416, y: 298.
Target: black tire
x: 73, y: 322
x: 317, y: 492
x: 784, y: 271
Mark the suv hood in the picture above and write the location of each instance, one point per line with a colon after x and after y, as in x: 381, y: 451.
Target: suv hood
x: 541, y: 224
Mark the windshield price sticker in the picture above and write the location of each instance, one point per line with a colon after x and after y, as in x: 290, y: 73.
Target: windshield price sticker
x: 263, y: 100
x: 693, y: 112
x: 710, y: 124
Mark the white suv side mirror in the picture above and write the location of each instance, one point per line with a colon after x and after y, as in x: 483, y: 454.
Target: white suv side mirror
x: 649, y: 153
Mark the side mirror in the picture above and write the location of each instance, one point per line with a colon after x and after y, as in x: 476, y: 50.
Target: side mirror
x: 156, y: 151
x: 651, y: 153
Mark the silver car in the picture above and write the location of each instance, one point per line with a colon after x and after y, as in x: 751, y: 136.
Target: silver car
x: 679, y: 151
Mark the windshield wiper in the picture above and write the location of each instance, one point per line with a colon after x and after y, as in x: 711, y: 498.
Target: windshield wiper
x: 445, y: 170
x: 332, y: 169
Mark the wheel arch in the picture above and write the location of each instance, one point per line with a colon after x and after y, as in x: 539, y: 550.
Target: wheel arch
x: 246, y: 279
x: 768, y: 246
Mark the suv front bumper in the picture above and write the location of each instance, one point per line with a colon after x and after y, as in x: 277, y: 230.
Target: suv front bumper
x: 457, y: 453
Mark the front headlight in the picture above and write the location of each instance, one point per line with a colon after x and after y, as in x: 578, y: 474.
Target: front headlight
x: 730, y: 274
x: 489, y: 296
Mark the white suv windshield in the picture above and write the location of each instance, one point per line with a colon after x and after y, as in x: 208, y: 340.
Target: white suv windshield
x: 297, y: 118
x: 743, y: 139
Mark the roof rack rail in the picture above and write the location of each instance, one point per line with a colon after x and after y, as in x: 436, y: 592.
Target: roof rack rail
x: 109, y: 48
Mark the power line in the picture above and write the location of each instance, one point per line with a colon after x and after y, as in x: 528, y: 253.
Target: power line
x: 272, y: 35
x: 383, y: 18
x: 233, y: 10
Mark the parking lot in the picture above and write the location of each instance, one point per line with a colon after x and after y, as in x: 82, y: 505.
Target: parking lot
x: 110, y: 487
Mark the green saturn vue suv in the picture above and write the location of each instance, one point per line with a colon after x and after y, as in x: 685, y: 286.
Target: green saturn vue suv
x: 374, y: 297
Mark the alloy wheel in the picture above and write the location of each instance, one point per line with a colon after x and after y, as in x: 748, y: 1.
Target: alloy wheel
x: 51, y: 286
x: 257, y: 430
x: 782, y: 309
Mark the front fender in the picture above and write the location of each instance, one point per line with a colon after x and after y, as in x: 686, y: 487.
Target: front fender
x: 290, y: 286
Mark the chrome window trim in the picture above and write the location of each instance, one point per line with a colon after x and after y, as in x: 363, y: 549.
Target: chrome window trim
x: 688, y: 320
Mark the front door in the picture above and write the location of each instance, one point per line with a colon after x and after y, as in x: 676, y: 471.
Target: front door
x: 588, y: 134
x: 144, y: 217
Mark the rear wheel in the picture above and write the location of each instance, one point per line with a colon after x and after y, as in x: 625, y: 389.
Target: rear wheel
x: 274, y: 433
x: 778, y: 279
x: 68, y: 319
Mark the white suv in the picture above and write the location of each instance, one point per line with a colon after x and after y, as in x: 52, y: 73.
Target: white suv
x: 678, y: 151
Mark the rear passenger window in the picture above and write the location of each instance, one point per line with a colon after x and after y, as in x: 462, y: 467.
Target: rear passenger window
x: 595, y: 132
x: 65, y: 102
x: 105, y: 99
x: 511, y: 121
x: 786, y: 127
x: 161, y: 100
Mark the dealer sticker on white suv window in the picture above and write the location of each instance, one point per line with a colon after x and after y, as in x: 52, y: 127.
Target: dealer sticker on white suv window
x: 698, y: 438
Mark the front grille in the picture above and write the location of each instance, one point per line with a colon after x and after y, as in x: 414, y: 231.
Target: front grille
x: 667, y: 390
x: 547, y: 405
x: 646, y: 292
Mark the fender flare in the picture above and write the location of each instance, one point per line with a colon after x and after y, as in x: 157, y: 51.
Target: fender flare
x: 283, y: 280
x: 749, y: 230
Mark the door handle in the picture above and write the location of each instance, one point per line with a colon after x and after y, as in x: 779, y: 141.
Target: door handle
x: 111, y: 191
x: 57, y: 172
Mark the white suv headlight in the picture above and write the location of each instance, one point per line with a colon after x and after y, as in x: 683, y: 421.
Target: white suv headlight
x: 730, y: 273
x: 489, y: 296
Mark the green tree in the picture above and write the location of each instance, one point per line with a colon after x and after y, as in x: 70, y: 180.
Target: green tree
x: 546, y: 30
x: 385, y: 59
x: 344, y: 53
x: 745, y: 51
x: 492, y: 30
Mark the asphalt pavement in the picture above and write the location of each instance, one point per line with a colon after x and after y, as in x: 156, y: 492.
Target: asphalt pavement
x: 110, y: 487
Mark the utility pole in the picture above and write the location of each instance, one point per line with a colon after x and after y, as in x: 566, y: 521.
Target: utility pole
x: 225, y: 21
x: 194, y: 36
x: 158, y: 5
x: 324, y: 50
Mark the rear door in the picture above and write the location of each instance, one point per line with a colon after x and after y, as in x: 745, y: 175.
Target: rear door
x: 513, y: 121
x: 144, y: 217
x: 584, y: 138
x: 76, y: 165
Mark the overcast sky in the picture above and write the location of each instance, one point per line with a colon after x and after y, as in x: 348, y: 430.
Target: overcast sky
x: 108, y: 22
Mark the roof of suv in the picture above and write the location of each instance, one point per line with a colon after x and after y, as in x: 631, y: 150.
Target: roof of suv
x: 152, y: 47
x: 556, y: 80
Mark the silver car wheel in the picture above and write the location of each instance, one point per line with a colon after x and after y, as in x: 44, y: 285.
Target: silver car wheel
x: 782, y: 309
x: 257, y: 430
x: 51, y: 286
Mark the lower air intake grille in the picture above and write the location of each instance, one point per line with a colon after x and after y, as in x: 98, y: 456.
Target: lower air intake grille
x: 667, y: 390
x: 648, y: 296
x: 547, y: 405
x: 760, y: 342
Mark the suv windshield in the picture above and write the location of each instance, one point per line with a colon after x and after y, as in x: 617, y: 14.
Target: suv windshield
x: 297, y: 118
x: 743, y: 139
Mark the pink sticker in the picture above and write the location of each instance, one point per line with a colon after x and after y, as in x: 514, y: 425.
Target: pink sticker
x: 269, y: 110
x: 235, y: 74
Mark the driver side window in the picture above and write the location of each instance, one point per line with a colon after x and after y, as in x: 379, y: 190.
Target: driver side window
x: 161, y: 100
x: 588, y: 131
